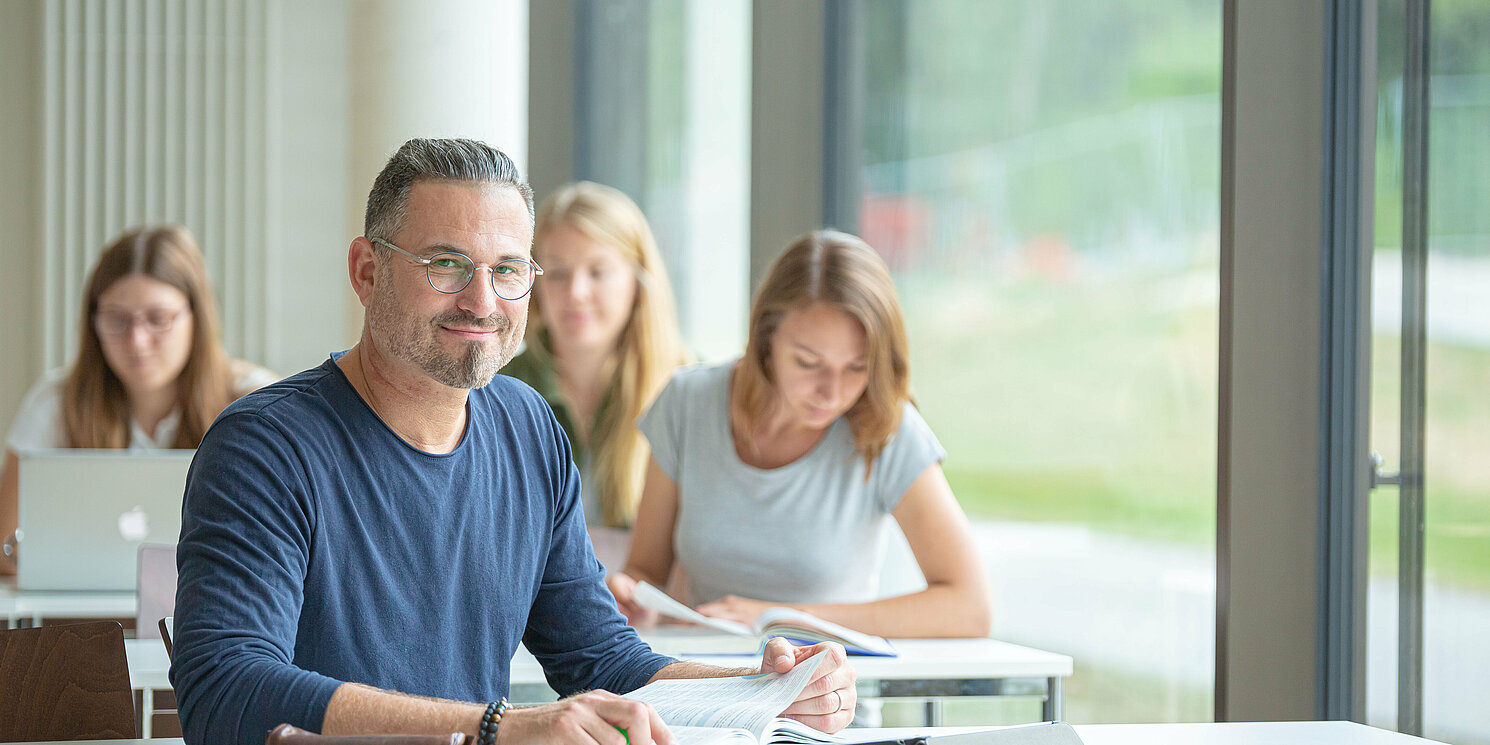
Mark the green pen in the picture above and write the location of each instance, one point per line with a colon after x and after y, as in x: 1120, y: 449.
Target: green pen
x: 622, y: 730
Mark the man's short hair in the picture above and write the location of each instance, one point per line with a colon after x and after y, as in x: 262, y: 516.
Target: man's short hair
x: 422, y: 159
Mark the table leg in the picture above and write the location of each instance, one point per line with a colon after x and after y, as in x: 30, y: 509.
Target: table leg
x: 1053, y: 708
x: 147, y: 705
x: 933, y: 712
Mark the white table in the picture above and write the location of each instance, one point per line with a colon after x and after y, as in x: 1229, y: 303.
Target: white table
x: 33, y: 606
x: 149, y: 671
x: 1243, y: 733
x: 1263, y: 733
x: 927, y: 669
x: 1207, y: 733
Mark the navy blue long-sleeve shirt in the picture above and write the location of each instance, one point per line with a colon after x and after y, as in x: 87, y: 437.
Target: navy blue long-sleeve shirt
x: 317, y: 547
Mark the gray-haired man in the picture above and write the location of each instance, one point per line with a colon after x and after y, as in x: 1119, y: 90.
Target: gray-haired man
x: 364, y: 544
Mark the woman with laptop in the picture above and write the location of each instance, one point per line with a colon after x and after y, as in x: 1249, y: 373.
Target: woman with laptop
x: 602, y: 340
x: 774, y: 477
x: 150, y: 370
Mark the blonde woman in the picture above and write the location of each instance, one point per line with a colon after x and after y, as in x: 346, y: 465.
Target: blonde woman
x: 150, y: 370
x: 602, y: 340
x: 773, y: 478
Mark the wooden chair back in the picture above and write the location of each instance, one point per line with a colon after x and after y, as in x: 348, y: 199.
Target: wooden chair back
x: 167, y: 626
x: 65, y: 683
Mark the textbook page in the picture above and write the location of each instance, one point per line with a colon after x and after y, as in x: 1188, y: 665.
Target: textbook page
x: 749, y: 703
x: 790, y: 622
x: 781, y: 732
x: 648, y: 596
x: 800, y: 627
x: 712, y: 736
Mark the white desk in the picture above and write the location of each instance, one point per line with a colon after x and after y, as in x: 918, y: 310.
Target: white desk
x: 927, y: 669
x: 33, y: 606
x: 1263, y: 733
x: 1226, y: 733
x: 149, y: 671
x: 149, y: 666
x: 1244, y: 733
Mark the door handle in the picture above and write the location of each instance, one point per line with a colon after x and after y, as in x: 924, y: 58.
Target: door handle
x: 1381, y: 478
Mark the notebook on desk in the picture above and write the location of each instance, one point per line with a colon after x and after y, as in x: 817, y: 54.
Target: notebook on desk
x: 1040, y: 733
x: 84, y: 514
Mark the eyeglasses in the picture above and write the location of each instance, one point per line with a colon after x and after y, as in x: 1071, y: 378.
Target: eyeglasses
x: 157, y: 321
x: 449, y: 272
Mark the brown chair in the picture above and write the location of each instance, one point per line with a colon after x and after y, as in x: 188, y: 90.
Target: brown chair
x: 286, y: 734
x: 65, y: 683
x: 167, y: 626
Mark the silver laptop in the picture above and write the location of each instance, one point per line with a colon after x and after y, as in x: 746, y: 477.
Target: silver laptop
x: 84, y: 514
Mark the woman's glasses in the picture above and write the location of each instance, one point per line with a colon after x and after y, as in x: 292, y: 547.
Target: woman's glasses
x: 157, y: 321
x: 450, y: 272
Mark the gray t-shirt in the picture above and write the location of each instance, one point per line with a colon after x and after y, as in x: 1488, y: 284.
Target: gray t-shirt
x: 810, y: 531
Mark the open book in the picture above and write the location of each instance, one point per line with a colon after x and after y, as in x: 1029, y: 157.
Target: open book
x: 798, y: 627
x: 735, y: 711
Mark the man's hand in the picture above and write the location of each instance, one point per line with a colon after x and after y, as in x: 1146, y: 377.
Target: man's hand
x: 596, y: 717
x: 827, y: 703
x: 735, y: 608
x: 623, y: 587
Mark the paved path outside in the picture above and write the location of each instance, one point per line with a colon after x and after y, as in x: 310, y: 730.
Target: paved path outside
x: 1148, y: 608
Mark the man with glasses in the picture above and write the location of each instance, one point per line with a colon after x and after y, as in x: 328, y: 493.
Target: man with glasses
x: 364, y: 545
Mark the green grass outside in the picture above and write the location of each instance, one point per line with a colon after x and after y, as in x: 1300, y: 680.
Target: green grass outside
x: 1063, y: 402
x: 1096, y: 405
x: 1457, y: 541
x: 1079, y: 496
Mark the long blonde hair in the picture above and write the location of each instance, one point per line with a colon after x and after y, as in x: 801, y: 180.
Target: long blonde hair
x: 650, y: 347
x: 95, y: 407
x: 841, y: 270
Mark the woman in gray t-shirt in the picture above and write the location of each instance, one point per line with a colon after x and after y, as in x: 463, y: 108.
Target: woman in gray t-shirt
x: 773, y: 478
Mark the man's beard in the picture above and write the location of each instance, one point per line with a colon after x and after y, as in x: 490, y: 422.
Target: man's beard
x: 404, y: 338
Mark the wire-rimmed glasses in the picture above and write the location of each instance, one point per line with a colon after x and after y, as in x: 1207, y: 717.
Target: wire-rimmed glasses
x: 449, y: 272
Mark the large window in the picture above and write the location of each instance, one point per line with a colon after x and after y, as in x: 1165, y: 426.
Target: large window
x: 663, y: 114
x: 1443, y: 375
x: 1043, y: 179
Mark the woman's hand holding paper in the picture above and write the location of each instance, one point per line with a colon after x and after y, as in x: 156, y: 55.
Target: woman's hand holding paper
x: 623, y: 587
x: 735, y: 608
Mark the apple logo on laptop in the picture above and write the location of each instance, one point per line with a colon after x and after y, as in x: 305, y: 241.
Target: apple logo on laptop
x: 133, y: 525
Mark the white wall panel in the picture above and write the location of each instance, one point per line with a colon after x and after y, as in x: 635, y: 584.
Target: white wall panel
x: 258, y: 124
x: 150, y: 117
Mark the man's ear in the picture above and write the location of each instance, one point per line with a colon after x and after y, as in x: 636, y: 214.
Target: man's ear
x: 362, y: 268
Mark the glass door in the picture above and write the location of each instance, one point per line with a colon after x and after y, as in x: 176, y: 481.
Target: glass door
x: 1428, y: 659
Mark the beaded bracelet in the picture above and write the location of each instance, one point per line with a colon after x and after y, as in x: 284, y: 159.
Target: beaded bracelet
x: 487, y: 735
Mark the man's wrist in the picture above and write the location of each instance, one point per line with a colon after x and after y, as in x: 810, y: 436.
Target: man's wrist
x: 491, y: 719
